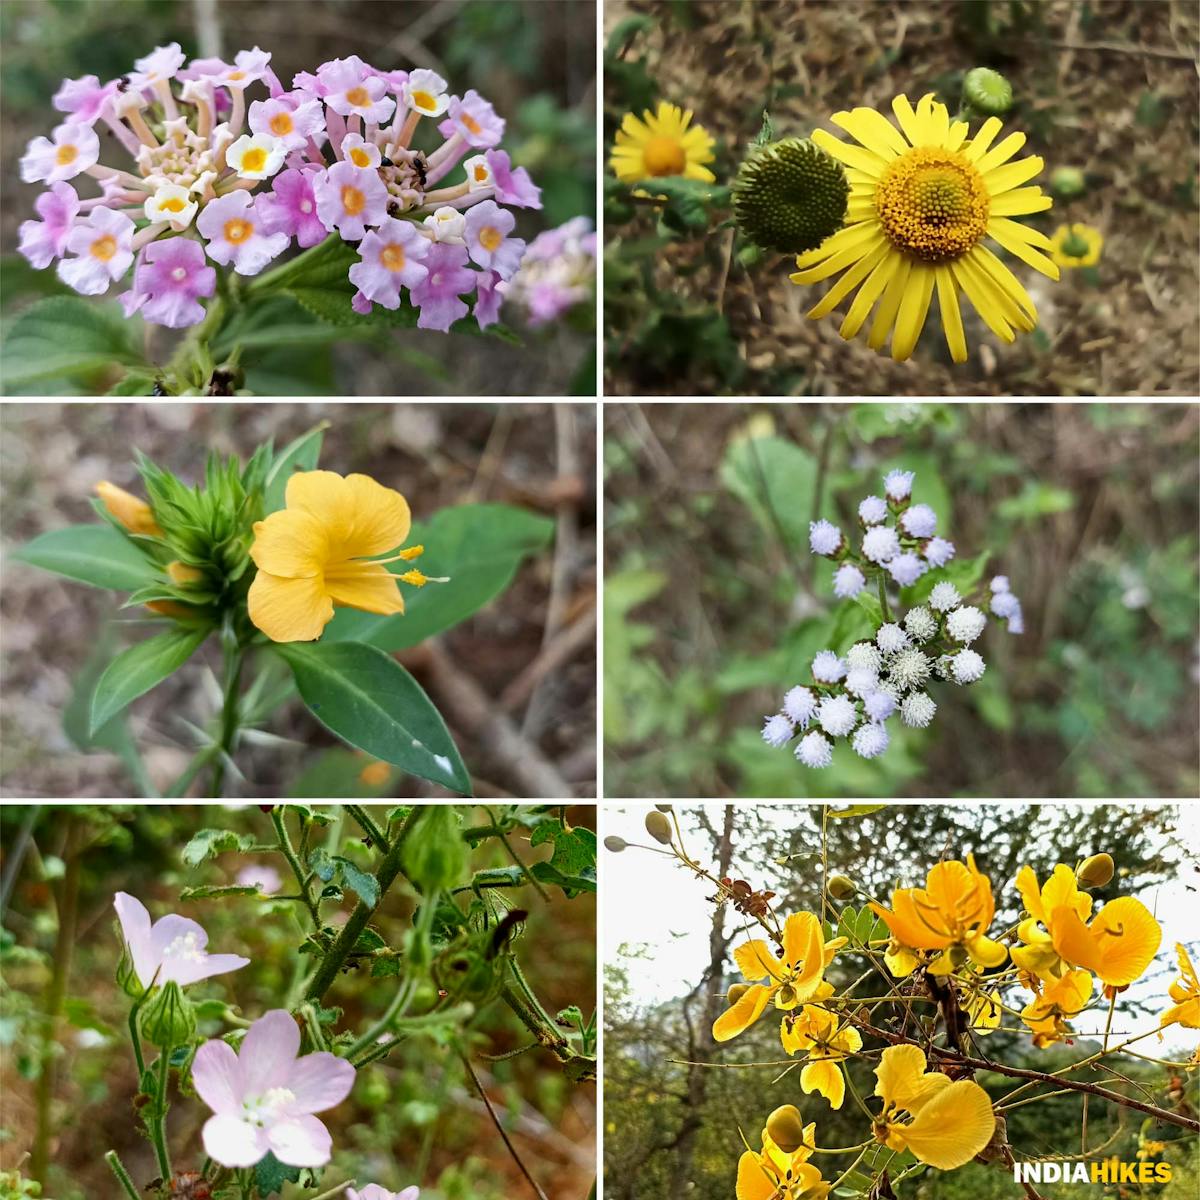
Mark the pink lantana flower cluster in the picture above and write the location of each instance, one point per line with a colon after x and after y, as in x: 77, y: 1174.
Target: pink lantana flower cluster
x: 557, y: 272
x: 217, y: 180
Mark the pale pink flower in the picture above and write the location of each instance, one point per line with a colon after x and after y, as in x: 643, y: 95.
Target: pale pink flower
x: 86, y: 98
x: 489, y: 295
x: 159, y: 66
x: 291, y: 207
x: 437, y: 296
x: 425, y: 92
x: 264, y: 1095
x: 170, y: 277
x: 70, y: 150
x: 391, y: 258
x: 513, y: 185
x: 292, y: 118
x: 351, y: 91
x: 249, y: 66
x: 357, y: 150
x: 45, y: 240
x: 234, y: 230
x: 374, y: 1192
x: 171, y: 950
x: 350, y: 198
x: 259, y: 875
x: 487, y: 229
x: 474, y: 120
x: 103, y: 246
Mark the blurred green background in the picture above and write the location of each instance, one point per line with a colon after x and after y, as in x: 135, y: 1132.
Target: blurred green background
x: 534, y: 59
x: 1107, y: 87
x: 413, y: 1117
x: 714, y: 606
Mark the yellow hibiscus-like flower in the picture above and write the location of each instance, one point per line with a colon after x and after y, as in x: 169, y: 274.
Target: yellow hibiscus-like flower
x: 827, y: 1041
x: 313, y: 554
x: 1076, y: 246
x: 948, y: 917
x: 775, y: 1174
x: 135, y: 514
x: 791, y: 981
x: 1061, y: 1001
x: 1186, y: 994
x: 943, y: 1123
x: 923, y: 198
x: 662, y: 144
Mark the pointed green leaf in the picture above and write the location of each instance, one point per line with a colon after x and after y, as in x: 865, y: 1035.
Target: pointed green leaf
x: 94, y: 554
x: 301, y: 454
x: 140, y: 668
x: 66, y: 336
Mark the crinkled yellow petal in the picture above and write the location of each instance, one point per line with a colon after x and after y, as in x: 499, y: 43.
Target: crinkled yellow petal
x: 804, y: 947
x: 753, y: 1181
x: 291, y: 543
x: 1118, y: 945
x: 953, y: 1127
x: 952, y: 325
x: 743, y: 1014
x: 1010, y: 175
x: 873, y: 130
x: 289, y: 610
x: 825, y: 1077
x: 862, y: 160
x: 910, y: 319
x: 363, y: 518
x: 898, y: 1074
x: 366, y: 586
x: 756, y: 960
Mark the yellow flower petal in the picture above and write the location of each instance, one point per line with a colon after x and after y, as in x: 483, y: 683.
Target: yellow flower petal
x: 885, y: 314
x: 873, y: 130
x: 1001, y: 152
x: 1020, y: 202
x: 825, y: 1077
x: 289, y: 610
x: 756, y: 960
x: 363, y: 518
x: 862, y: 160
x: 848, y: 282
x: 1008, y: 285
x: 910, y: 319
x: 131, y: 511
x: 1118, y: 945
x: 1020, y: 244
x: 753, y: 1181
x: 290, y: 543
x: 977, y: 147
x: 870, y: 291
x: 743, y: 1014
x: 864, y: 239
x: 952, y: 324
x: 953, y: 1127
x: 911, y: 127
x: 1005, y: 178
x: 366, y: 586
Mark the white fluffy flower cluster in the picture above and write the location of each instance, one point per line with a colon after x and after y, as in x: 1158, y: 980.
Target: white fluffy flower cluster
x: 855, y: 694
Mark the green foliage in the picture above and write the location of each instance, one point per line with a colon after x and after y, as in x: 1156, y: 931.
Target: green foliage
x: 209, y: 842
x: 138, y: 669
x: 370, y: 701
x: 301, y: 454
x: 270, y: 1175
x: 98, y: 555
x: 573, y: 864
x: 775, y: 478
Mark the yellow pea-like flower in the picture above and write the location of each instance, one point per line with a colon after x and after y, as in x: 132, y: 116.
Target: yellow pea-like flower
x: 1186, y: 994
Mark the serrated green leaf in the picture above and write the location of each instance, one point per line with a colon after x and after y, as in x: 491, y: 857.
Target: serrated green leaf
x: 210, y: 842
x: 324, y: 866
x: 65, y: 336
x: 217, y: 893
x: 385, y: 968
x: 364, y: 885
x: 270, y: 1175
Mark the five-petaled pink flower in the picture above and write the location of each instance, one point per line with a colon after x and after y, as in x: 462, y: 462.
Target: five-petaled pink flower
x: 513, y: 185
x: 291, y: 207
x: 104, y: 248
x: 437, y: 295
x: 170, y: 277
x: 391, y: 258
x: 263, y: 1096
x: 74, y: 148
x: 45, y: 240
x: 474, y: 120
x: 235, y: 233
x: 171, y: 950
x: 350, y: 198
x: 374, y: 1192
x: 487, y: 229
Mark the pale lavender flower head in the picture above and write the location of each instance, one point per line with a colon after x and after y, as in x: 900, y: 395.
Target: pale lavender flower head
x: 437, y: 296
x: 170, y: 277
x: 236, y: 233
x: 513, y: 185
x: 103, y: 248
x: 824, y: 537
x: 474, y: 120
x: 898, y: 484
x: 848, y: 581
x: 45, y: 240
x: 890, y: 638
x: 827, y: 667
x: 861, y: 681
x: 71, y: 148
x: 487, y: 229
x: 777, y: 730
x: 352, y: 92
x: 872, y: 510
x: 86, y: 99
x: 171, y: 950
x: 879, y: 706
x: 799, y: 705
x: 944, y: 597
x: 292, y: 118
x: 814, y: 750
x: 291, y: 207
x: 920, y: 521
x: 965, y: 624
x: 391, y: 258
x: 837, y: 715
x: 263, y: 1096
x: 967, y: 666
x: 938, y: 552
x: 906, y: 568
x: 374, y: 1192
x: 259, y: 875
x: 350, y: 198
x: 880, y: 544
x: 871, y: 740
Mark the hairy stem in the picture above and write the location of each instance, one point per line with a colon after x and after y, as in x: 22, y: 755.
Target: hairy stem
x: 158, y: 1126
x: 123, y: 1177
x: 286, y: 848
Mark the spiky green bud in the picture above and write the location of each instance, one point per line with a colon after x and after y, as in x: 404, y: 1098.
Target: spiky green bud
x: 168, y: 1018
x: 1068, y: 182
x: 790, y: 195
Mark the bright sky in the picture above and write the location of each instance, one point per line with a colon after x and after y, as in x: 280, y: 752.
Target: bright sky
x: 650, y: 898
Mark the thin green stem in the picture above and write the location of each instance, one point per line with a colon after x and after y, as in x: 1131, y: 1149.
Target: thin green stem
x: 232, y: 651
x: 123, y: 1177
x: 158, y: 1127
x: 883, y: 600
x: 288, y: 852
x: 537, y: 887
x: 378, y: 839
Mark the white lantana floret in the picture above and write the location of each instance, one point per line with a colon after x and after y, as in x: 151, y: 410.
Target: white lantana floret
x: 813, y: 750
x: 917, y: 709
x: 944, y: 597
x: 965, y: 624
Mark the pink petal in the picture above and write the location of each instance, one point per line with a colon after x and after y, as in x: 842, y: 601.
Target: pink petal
x: 184, y: 972
x: 410, y: 1193
x: 269, y: 1049
x: 300, y: 1142
x: 217, y: 1077
x: 171, y: 927
x: 233, y: 1142
x: 135, y: 926
x: 319, y: 1081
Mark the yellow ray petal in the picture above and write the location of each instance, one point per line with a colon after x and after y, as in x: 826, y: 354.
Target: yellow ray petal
x: 848, y: 282
x: 978, y: 145
x: 982, y: 297
x: 289, y: 610
x: 743, y: 1014
x: 1020, y: 202
x: 870, y: 292
x: 885, y: 314
x: 873, y: 130
x: 910, y: 319
x: 756, y: 961
x: 1008, y: 285
x: 957, y: 135
x: 848, y: 235
x: 863, y: 245
x: 1005, y: 178
x: 952, y: 324
x: 1001, y: 152
x: 912, y: 128
x: 853, y: 156
x: 1004, y: 231
x: 826, y: 1078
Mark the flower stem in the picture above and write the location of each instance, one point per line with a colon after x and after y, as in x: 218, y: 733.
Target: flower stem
x: 232, y: 652
x: 158, y: 1127
x: 883, y: 601
x: 285, y: 846
x: 123, y: 1177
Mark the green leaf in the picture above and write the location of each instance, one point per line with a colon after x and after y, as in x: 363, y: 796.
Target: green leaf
x: 210, y: 842
x: 364, y: 885
x: 856, y: 810
x: 479, y: 546
x: 322, y: 864
x: 270, y: 1175
x: 140, y: 668
x: 322, y: 266
x: 775, y: 478
x: 217, y: 893
x: 370, y: 701
x: 65, y: 335
x: 573, y: 864
x: 301, y: 454
x: 964, y: 573
x: 94, y: 554
x: 382, y: 968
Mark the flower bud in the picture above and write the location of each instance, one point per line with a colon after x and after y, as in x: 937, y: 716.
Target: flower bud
x: 785, y: 1126
x: 987, y: 92
x: 615, y: 844
x: 658, y: 827
x: 841, y: 887
x: 1068, y: 182
x: 168, y: 1018
x: 664, y: 808
x: 435, y: 855
x: 127, y: 979
x: 1096, y: 871
x: 790, y: 196
x: 736, y: 992
x: 135, y: 514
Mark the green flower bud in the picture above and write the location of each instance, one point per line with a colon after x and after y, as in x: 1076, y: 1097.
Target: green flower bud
x: 1068, y: 182
x: 664, y: 808
x: 615, y: 844
x: 435, y: 855
x: 168, y: 1018
x: 987, y: 91
x: 1096, y: 871
x: 785, y: 1126
x: 736, y: 992
x: 658, y: 827
x: 841, y: 887
x: 1074, y: 246
x: 790, y: 195
x: 127, y: 979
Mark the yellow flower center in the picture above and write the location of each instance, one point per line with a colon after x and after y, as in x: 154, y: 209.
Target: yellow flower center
x: 424, y: 100
x: 66, y: 155
x: 281, y: 123
x: 174, y: 204
x: 237, y: 230
x: 481, y: 173
x: 359, y: 97
x: 353, y: 201
x: 933, y: 204
x: 490, y: 238
x: 358, y: 156
x: 104, y: 248
x: 393, y: 257
x: 254, y: 159
x: 664, y: 156
x: 470, y: 122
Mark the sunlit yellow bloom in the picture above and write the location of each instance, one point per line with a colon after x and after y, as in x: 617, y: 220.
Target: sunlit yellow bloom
x: 1038, y: 956
x: 1186, y: 994
x: 950, y: 915
x: 1076, y: 246
x: 136, y: 515
x: 827, y: 1041
x: 311, y: 555
x: 662, y: 144
x: 983, y: 1010
x: 1061, y: 1001
x: 791, y: 980
x: 774, y: 1174
x: 943, y: 1123
x: 922, y: 199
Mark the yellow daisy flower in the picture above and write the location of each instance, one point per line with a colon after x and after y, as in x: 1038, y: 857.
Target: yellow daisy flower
x: 662, y: 144
x: 1076, y: 246
x: 922, y: 199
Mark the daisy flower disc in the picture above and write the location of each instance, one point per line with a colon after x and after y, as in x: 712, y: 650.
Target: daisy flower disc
x: 923, y: 198
x: 662, y: 143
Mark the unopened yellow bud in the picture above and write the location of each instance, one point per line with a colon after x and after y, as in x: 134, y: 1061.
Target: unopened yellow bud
x: 136, y: 515
x: 181, y: 573
x: 1096, y: 871
x: 786, y: 1128
x: 658, y: 827
x: 841, y: 887
x: 736, y: 992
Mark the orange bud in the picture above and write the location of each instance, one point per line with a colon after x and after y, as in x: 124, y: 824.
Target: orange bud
x: 136, y: 515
